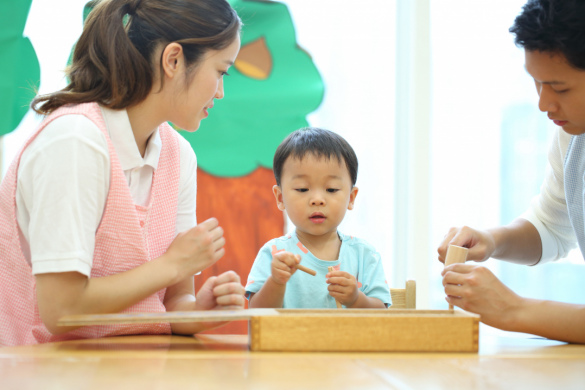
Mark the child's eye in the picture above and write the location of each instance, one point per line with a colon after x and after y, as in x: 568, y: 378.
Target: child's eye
x: 332, y: 189
x: 222, y: 73
x: 301, y: 189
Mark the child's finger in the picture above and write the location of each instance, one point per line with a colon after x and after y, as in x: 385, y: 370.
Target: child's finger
x: 339, y: 280
x: 281, y: 266
x: 287, y: 258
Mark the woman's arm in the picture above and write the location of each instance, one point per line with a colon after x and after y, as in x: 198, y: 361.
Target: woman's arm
x: 67, y: 293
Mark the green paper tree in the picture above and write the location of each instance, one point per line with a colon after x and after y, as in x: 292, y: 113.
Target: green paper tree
x: 19, y: 66
x: 271, y: 89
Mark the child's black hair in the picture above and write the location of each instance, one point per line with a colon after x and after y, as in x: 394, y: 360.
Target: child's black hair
x: 319, y: 142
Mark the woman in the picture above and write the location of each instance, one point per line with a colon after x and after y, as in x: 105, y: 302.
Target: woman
x: 97, y: 213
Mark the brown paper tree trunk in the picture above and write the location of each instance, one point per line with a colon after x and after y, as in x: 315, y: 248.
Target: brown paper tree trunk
x: 246, y: 210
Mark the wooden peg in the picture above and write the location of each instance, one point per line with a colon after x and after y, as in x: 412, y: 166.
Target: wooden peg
x: 455, y: 254
x: 330, y: 269
x: 307, y: 270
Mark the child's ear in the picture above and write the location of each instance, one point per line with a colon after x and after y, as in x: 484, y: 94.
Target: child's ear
x: 353, y: 193
x: 278, y: 195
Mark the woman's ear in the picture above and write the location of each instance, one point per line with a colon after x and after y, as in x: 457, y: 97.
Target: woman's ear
x: 172, y: 59
x: 278, y: 195
x: 352, y: 194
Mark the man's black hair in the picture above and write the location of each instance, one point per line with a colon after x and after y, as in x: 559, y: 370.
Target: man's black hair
x: 555, y: 26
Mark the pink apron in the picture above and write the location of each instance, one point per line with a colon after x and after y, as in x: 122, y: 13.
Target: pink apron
x: 128, y: 236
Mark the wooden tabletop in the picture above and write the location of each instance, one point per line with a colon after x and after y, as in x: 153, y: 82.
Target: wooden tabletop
x: 505, y: 361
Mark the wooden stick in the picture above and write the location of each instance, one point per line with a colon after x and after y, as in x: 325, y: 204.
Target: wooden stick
x: 455, y: 254
x: 307, y: 270
x: 330, y: 269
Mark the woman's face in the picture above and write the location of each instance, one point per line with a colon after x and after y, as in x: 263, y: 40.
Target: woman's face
x: 204, y: 85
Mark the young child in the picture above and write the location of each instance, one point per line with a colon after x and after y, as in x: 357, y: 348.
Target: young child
x: 316, y: 172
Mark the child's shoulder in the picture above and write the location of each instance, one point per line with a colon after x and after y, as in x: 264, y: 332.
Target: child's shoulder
x: 356, y: 242
x: 283, y: 240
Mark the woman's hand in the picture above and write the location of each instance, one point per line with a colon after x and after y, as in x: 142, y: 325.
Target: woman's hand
x: 197, y: 248
x: 481, y: 243
x: 223, y: 292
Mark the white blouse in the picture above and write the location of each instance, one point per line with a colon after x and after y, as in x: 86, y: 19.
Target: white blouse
x: 63, y: 182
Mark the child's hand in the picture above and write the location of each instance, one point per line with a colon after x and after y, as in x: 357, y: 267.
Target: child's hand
x: 223, y: 292
x: 197, y: 248
x: 284, y: 264
x: 343, y: 287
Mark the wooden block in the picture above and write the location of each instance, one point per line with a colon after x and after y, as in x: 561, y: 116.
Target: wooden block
x: 404, y: 298
x: 455, y: 254
x: 410, y: 294
x: 361, y: 330
x: 330, y: 269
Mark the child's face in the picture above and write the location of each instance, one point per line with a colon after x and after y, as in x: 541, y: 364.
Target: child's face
x: 315, y: 192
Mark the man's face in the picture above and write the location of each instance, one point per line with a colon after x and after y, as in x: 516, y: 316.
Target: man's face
x: 561, y: 89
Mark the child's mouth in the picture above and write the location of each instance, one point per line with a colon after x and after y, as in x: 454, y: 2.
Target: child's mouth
x: 317, y: 218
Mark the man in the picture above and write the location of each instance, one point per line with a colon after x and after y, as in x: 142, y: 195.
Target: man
x: 552, y: 33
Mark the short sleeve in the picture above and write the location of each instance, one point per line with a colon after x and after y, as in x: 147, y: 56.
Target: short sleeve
x: 261, y: 270
x: 374, y: 284
x: 187, y: 201
x: 63, y: 182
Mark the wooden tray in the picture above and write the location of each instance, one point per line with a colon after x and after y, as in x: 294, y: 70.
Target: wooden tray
x: 366, y: 330
x: 328, y: 330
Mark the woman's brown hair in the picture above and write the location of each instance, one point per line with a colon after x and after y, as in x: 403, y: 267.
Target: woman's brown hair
x: 113, y: 62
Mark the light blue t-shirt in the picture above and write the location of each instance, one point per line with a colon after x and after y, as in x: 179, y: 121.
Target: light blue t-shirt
x: 356, y: 257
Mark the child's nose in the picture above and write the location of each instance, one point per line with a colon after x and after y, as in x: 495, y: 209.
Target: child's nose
x: 317, y: 200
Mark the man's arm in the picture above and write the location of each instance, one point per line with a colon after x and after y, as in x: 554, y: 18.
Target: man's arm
x: 476, y: 289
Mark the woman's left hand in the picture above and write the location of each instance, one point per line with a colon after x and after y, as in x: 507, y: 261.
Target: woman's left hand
x: 223, y: 292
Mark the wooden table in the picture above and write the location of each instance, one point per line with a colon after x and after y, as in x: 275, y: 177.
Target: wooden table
x: 505, y: 361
